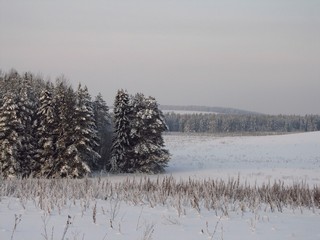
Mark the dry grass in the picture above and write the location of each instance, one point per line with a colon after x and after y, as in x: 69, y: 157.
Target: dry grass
x: 217, y: 195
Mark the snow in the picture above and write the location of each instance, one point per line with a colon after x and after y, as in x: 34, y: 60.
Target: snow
x: 255, y: 159
x: 292, y: 157
x: 131, y: 222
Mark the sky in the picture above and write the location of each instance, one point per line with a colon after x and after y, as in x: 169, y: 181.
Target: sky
x: 255, y: 55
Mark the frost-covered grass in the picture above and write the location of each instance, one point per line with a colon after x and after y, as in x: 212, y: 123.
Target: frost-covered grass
x: 80, y: 209
x: 216, y: 195
x: 262, y: 187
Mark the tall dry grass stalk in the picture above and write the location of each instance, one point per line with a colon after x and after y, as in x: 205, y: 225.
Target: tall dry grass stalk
x: 217, y: 195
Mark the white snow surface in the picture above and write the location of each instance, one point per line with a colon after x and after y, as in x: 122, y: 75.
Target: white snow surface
x: 259, y: 159
x: 289, y: 158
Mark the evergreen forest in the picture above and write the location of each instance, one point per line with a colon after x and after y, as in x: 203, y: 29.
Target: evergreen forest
x: 51, y: 130
x: 240, y: 123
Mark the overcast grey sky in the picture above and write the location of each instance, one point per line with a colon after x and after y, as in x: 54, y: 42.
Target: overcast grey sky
x: 259, y: 55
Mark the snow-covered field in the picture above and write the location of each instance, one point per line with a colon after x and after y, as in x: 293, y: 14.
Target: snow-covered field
x: 293, y: 158
x: 289, y: 158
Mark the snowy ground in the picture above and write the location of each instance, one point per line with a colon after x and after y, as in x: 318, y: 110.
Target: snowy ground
x: 289, y: 158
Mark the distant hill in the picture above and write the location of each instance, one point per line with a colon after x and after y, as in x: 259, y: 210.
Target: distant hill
x: 206, y: 109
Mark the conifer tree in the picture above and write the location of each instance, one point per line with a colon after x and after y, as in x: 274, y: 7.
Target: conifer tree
x: 46, y: 133
x: 84, y: 134
x: 104, y: 131
x: 148, y: 153
x: 10, y: 137
x: 65, y: 108
x: 121, y: 145
x: 2, y: 87
x: 26, y: 114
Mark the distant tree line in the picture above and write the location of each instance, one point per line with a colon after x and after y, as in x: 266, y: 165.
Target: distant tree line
x: 207, y: 109
x: 221, y: 123
x: 51, y: 130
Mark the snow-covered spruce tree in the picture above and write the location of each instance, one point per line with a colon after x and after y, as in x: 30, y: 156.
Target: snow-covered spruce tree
x: 148, y: 154
x: 26, y: 113
x: 65, y: 101
x: 2, y: 87
x: 46, y: 126
x: 84, y: 135
x: 121, y: 145
x: 11, y: 82
x: 10, y: 137
x: 104, y: 129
